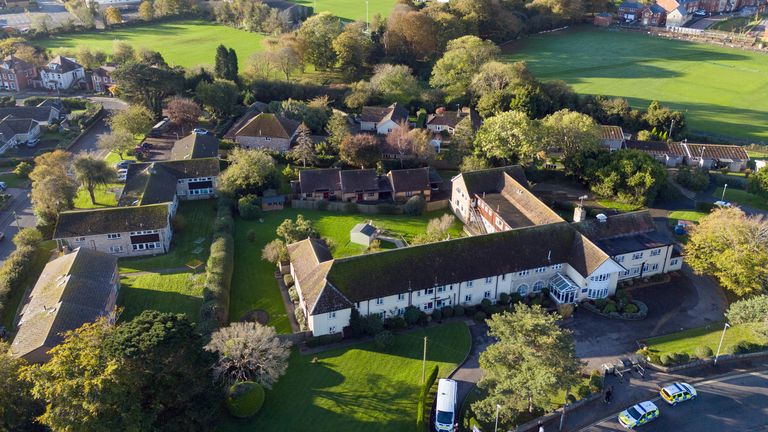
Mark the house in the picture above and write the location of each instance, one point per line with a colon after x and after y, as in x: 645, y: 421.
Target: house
x: 603, y: 19
x: 653, y: 15
x: 409, y: 182
x: 121, y: 231
x: 15, y: 131
x: 289, y: 12
x: 45, y: 113
x: 318, y: 184
x: 253, y: 110
x: 678, y: 17
x: 466, y: 187
x: 72, y: 290
x: 612, y: 137
x: 670, y: 154
x: 715, y: 156
x: 62, y: 73
x: 101, y: 78
x: 267, y: 130
x: 16, y: 4
x: 165, y: 181
x: 16, y: 74
x: 337, y: 185
x: 363, y: 234
x: 272, y: 202
x: 629, y: 11
x: 382, y: 120
x: 359, y: 185
x: 446, y: 121
x: 196, y: 146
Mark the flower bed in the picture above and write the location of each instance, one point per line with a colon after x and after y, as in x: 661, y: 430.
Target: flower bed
x: 620, y: 306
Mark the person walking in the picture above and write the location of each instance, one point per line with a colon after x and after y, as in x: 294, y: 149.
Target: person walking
x: 608, y: 395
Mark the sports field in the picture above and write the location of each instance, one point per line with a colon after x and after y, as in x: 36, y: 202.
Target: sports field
x: 350, y: 10
x: 722, y: 90
x: 183, y: 43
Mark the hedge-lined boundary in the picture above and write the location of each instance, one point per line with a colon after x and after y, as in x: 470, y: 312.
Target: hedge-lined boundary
x: 423, y: 393
x: 214, y: 312
x: 14, y: 271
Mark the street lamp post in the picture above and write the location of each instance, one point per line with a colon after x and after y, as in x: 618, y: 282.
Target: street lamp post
x: 725, y: 186
x: 496, y: 425
x: 720, y: 345
x: 367, y: 28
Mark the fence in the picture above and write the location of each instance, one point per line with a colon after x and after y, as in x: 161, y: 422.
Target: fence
x: 351, y: 207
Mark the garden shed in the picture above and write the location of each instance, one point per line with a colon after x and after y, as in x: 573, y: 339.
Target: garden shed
x: 363, y: 234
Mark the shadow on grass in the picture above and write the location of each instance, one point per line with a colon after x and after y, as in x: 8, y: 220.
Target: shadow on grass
x: 136, y: 300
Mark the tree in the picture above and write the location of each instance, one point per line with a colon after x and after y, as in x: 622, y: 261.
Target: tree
x: 315, y: 40
x: 410, y: 142
x: 410, y: 37
x: 113, y: 15
x: 304, y: 150
x: 360, y: 150
x: 569, y: 132
x: 758, y: 183
x: 395, y: 83
x: 275, y: 252
x: 438, y: 229
x: 220, y: 97
x: 92, y: 172
x: 166, y: 7
x: 530, y: 362
x: 28, y: 237
x: 249, y: 172
x: 149, y: 84
x: 90, y: 59
x: 117, y: 142
x: 53, y: 190
x: 184, y: 112
x: 221, y: 63
x: 83, y: 11
x: 664, y: 119
x: 353, y: 48
x: 474, y: 163
x: 41, y: 23
x: 463, y: 57
x: 293, y: 231
x: 509, y: 137
x: 314, y: 114
x: 146, y: 11
x: 249, y: 351
x: 123, y: 52
x: 337, y: 130
x: 19, y: 408
x: 732, y: 247
x: 284, y: 58
x: 136, y: 120
x: 232, y: 69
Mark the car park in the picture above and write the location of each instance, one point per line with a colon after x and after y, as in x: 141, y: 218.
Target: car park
x: 638, y: 415
x: 677, y: 392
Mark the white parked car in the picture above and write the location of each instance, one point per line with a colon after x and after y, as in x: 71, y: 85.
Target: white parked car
x: 122, y: 175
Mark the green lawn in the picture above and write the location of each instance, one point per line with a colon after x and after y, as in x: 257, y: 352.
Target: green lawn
x: 358, y: 388
x: 185, y: 43
x: 351, y: 10
x: 736, y: 24
x: 687, y: 341
x: 113, y: 158
x: 738, y: 196
x: 620, y: 206
x: 754, y: 154
x: 253, y: 283
x: 177, y: 293
x: 106, y: 196
x: 191, y: 239
x: 642, y: 68
x: 42, y: 257
x: 687, y: 215
x: 13, y: 181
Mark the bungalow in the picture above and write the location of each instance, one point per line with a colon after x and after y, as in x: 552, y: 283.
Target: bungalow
x: 72, y: 290
x: 446, y: 121
x: 45, y: 113
x: 410, y: 182
x: 101, y: 78
x: 383, y: 120
x: 162, y: 182
x: 267, y: 130
x: 612, y: 137
x: 15, y: 131
x: 16, y: 74
x: 670, y: 154
x: 337, y: 185
x: 196, y: 146
x: 122, y: 231
x: 62, y: 73
x: 708, y: 156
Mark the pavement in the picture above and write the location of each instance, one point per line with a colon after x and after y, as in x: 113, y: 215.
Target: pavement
x: 469, y: 372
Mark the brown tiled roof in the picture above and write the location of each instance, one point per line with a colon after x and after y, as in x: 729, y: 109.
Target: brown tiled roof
x: 194, y: 146
x: 79, y: 223
x: 311, y: 262
x: 14, y: 63
x: 453, y: 118
x: 620, y: 225
x: 716, y: 151
x: 319, y: 180
x: 659, y: 148
x: 518, y: 206
x: 269, y: 125
x: 409, y: 180
x: 64, y: 65
x: 611, y: 132
x: 394, y: 112
x: 362, y: 180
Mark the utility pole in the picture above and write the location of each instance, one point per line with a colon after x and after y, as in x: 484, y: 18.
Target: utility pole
x: 18, y: 225
x: 367, y: 24
x: 424, y: 362
x: 496, y: 426
x: 562, y: 415
x: 671, y: 126
x: 725, y: 187
x: 721, y: 342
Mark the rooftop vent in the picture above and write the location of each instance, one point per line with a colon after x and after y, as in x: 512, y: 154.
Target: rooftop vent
x: 602, y: 218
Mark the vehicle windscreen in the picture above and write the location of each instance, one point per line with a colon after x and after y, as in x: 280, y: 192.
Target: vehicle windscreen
x: 635, y: 414
x: 665, y: 393
x: 444, y: 417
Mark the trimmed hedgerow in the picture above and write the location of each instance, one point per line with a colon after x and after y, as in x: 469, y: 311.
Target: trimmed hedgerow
x: 221, y: 264
x: 423, y: 393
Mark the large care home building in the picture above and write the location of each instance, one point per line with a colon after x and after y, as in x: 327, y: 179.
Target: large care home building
x: 382, y: 120
x: 62, y: 73
x: 72, y: 290
x: 120, y: 231
x: 268, y: 131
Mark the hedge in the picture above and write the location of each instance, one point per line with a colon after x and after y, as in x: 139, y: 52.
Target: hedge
x: 221, y: 264
x: 245, y: 399
x: 423, y: 393
x: 14, y: 271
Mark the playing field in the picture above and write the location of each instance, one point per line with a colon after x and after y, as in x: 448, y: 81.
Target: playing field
x: 723, y: 91
x: 184, y: 43
x: 350, y: 10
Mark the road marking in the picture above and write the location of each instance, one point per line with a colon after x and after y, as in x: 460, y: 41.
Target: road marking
x: 695, y: 383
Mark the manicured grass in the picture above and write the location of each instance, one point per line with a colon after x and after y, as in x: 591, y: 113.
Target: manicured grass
x: 176, y: 293
x: 106, y: 196
x: 13, y: 181
x: 622, y: 207
x: 42, y: 256
x: 185, y: 43
x: 113, y: 158
x: 191, y: 239
x: 642, y: 68
x: 738, y: 196
x: 687, y: 215
x: 358, y: 388
x: 736, y: 24
x: 754, y: 154
x: 687, y: 341
x: 351, y: 10
x: 253, y: 283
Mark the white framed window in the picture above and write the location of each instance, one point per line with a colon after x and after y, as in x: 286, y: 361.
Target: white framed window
x: 524, y: 273
x: 116, y: 249
x: 379, y: 301
x: 673, y: 261
x: 332, y: 329
x: 522, y: 289
x: 427, y: 306
x: 656, y: 252
x: 332, y: 315
x: 488, y: 280
x: 541, y: 270
x: 637, y: 255
x: 113, y: 236
x: 469, y: 283
x: 600, y: 278
x: 79, y: 239
x: 409, y: 193
x: 441, y: 289
x: 401, y: 296
x: 538, y: 286
x: 429, y: 291
x: 468, y: 298
x: 557, y: 267
x: 620, y: 259
x: 487, y: 294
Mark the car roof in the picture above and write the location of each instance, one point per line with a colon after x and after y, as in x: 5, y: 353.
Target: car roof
x: 675, y: 388
x: 646, y: 406
x: 446, y: 395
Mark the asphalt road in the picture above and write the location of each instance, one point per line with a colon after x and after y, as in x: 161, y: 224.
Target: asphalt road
x: 730, y: 403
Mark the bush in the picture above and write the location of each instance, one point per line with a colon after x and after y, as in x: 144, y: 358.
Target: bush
x: 595, y: 381
x: 411, y: 315
x: 299, y: 314
x: 583, y: 391
x: 503, y: 299
x: 704, y: 206
x: 515, y: 298
x: 753, y: 309
x: 480, y: 316
x: 384, y: 340
x: 681, y: 358
x: 395, y: 323
x: 666, y: 360
x: 219, y: 269
x: 437, y: 315
x: 248, y: 207
x: 288, y: 280
x: 486, y: 305
x: 743, y: 347
x: 316, y: 341
x: 293, y: 294
x: 610, y: 307
x: 423, y: 393
x: 251, y: 236
x: 458, y: 310
x: 245, y: 399
x: 14, y: 271
x: 703, y: 352
x: 415, y: 206
x: 600, y: 303
x: 447, y: 311
x: 695, y: 180
x: 372, y: 324
x: 631, y: 308
x: 23, y: 169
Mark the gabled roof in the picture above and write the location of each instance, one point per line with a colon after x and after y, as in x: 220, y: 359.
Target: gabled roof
x: 311, y: 262
x: 409, y: 180
x: 453, y: 118
x: 81, y: 223
x: 269, y: 125
x: 362, y: 180
x: 613, y: 133
x: 715, y: 151
x: 17, y: 125
x: 655, y: 148
x: 624, y: 233
x: 155, y: 182
x: 72, y: 290
x: 104, y: 70
x: 38, y: 113
x: 195, y: 145
x: 61, y: 64
x: 320, y: 180
x: 12, y: 62
x: 374, y: 114
x: 518, y: 206
x: 491, y: 180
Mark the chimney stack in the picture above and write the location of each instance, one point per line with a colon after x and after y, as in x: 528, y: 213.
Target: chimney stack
x: 579, y: 213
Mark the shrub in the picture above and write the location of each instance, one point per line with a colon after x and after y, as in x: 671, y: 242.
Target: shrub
x: 251, y: 236
x: 595, y: 381
x: 23, y: 169
x: 395, y: 323
x: 681, y: 358
x: 437, y: 315
x: 411, y: 315
x: 703, y: 352
x: 504, y: 299
x: 423, y: 393
x: 293, y: 294
x: 610, y: 307
x: 631, y: 308
x: 384, y: 340
x: 753, y: 309
x: 486, y: 305
x: 695, y: 180
x: 469, y: 311
x: 245, y: 399
x: 565, y: 310
x: 373, y: 324
x: 299, y: 314
x: 666, y: 360
x: 288, y: 280
x: 515, y: 298
x: 14, y: 271
x: 316, y: 341
x: 743, y: 347
x: 447, y: 311
x: 480, y: 316
x: 600, y: 303
x: 355, y: 323
x: 458, y: 310
x: 248, y: 207
x: 583, y: 391
x: 415, y: 206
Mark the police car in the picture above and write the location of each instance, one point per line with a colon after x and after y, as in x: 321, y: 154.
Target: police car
x: 677, y: 392
x: 639, y: 414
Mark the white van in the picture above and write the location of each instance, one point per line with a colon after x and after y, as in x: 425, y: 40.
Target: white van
x: 445, y: 416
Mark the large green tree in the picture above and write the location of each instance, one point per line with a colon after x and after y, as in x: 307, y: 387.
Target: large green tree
x: 509, y: 137
x: 463, y: 57
x: 148, y: 84
x: 353, y: 48
x: 220, y: 97
x: 361, y: 150
x: 53, y: 190
x: 532, y: 360
x: 136, y: 120
x: 91, y: 173
x: 249, y: 172
x: 315, y: 38
x: 733, y: 248
x: 570, y: 131
x: 395, y: 83
x: 19, y: 409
